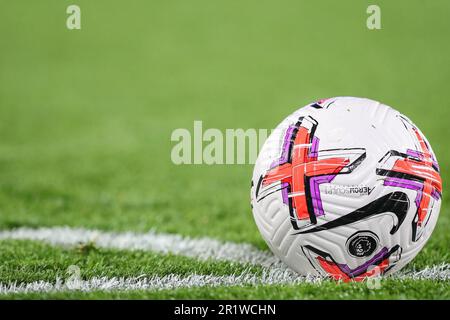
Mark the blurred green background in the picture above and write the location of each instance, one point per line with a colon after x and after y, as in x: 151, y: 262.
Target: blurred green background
x: 86, y: 115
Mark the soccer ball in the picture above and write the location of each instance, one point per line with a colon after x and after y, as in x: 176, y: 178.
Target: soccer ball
x: 346, y: 187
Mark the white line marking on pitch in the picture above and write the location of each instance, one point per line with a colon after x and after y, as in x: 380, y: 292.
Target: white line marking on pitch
x: 173, y: 281
x: 154, y: 283
x: 200, y: 248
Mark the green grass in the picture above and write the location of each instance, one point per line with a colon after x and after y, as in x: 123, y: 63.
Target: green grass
x: 27, y: 261
x: 86, y: 116
x: 390, y: 289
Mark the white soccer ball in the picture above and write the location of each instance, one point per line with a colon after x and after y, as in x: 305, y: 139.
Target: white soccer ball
x: 346, y: 187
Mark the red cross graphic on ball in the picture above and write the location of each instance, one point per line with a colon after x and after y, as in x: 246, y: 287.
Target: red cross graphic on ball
x: 302, y: 168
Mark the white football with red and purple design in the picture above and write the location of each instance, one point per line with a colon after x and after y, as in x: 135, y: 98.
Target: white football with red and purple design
x: 346, y: 187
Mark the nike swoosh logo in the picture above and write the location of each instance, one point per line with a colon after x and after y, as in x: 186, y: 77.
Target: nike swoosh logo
x: 396, y: 202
